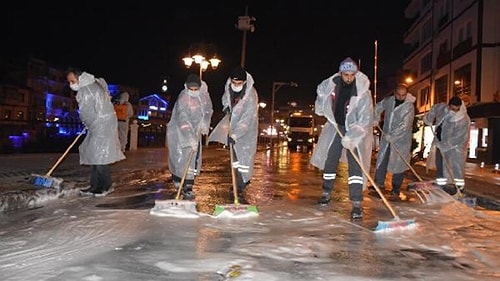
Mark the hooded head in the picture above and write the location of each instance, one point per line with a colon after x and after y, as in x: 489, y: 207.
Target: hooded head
x: 124, y: 97
x: 193, y: 81
x: 238, y: 78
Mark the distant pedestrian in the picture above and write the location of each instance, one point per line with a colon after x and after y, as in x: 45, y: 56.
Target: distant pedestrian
x: 399, y: 113
x: 101, y: 146
x: 345, y: 100
x: 240, y: 103
x: 452, y: 125
x: 124, y: 111
x: 191, y: 117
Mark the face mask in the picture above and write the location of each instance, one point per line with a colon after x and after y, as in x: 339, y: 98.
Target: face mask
x: 237, y: 88
x: 194, y: 92
x: 74, y: 87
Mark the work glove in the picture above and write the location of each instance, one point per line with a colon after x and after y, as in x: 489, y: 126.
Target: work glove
x: 348, y: 143
x: 231, y: 140
x: 388, y: 138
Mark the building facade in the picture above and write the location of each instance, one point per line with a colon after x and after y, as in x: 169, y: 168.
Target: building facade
x: 454, y: 50
x: 39, y: 112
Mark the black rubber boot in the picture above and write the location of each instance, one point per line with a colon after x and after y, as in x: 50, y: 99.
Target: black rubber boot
x: 324, y: 199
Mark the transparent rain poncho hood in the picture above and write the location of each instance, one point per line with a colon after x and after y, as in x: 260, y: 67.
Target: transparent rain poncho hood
x: 454, y: 138
x: 358, y: 121
x: 101, y: 145
x: 398, y: 124
x: 243, y: 126
x: 191, y: 114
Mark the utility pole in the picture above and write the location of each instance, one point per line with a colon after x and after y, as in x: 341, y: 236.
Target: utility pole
x: 276, y: 87
x: 245, y: 23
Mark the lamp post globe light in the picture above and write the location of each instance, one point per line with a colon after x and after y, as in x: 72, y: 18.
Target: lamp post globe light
x: 198, y: 54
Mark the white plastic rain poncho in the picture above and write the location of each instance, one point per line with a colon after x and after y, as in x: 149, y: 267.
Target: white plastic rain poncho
x: 454, y: 138
x: 191, y: 117
x: 123, y: 125
x: 398, y: 125
x: 244, y: 126
x: 101, y: 146
x: 358, y: 121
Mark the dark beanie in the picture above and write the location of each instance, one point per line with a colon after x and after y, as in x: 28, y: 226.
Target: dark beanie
x: 238, y: 73
x: 456, y: 101
x: 193, y: 81
x: 402, y: 86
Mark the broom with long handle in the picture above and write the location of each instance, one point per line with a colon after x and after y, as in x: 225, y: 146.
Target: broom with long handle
x: 47, y: 180
x: 447, y: 164
x: 233, y: 174
x: 382, y: 225
x: 184, y: 174
x: 422, y: 186
x: 236, y: 208
x: 401, y: 156
x: 162, y: 206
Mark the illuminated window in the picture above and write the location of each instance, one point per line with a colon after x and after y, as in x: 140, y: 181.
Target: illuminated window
x: 440, y: 90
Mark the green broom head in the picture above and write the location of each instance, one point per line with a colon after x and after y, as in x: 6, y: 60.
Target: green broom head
x: 239, y: 210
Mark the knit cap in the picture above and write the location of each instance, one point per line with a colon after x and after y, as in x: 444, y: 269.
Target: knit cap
x: 193, y: 81
x: 348, y: 65
x: 238, y: 73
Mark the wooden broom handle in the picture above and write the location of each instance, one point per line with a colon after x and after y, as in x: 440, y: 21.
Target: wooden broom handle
x: 354, y: 155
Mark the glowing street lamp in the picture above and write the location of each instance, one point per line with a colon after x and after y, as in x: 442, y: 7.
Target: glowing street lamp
x: 199, y: 58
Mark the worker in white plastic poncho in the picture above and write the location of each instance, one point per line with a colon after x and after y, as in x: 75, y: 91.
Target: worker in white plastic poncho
x: 344, y: 99
x: 191, y: 117
x: 124, y: 121
x: 240, y: 102
x: 399, y: 113
x: 451, y: 137
x: 101, y: 145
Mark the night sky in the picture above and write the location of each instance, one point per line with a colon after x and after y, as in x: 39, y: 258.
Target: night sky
x: 300, y: 41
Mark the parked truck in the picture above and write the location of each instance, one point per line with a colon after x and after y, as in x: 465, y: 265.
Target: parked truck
x: 301, y: 131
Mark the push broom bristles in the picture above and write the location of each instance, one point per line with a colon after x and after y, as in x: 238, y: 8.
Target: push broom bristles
x: 384, y: 226
x: 235, y: 210
x: 177, y: 207
x: 52, y: 182
x: 46, y: 181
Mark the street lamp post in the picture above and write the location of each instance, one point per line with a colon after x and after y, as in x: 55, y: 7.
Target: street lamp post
x: 199, y: 57
x: 245, y: 23
x: 276, y: 87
